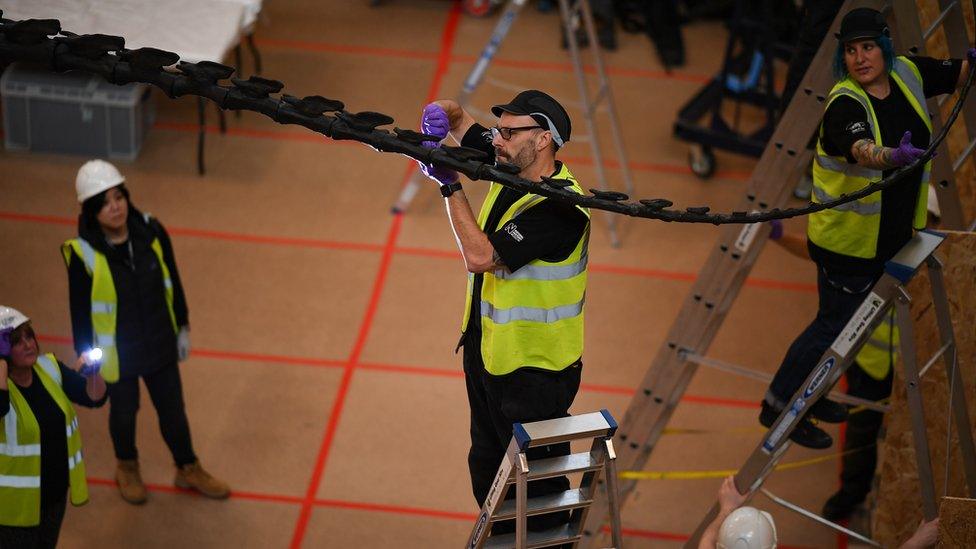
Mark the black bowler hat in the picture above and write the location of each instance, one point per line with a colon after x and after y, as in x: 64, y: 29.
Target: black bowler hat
x: 543, y: 109
x: 862, y: 23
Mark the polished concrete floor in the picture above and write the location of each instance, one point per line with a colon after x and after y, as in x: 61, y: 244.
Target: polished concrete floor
x: 322, y: 385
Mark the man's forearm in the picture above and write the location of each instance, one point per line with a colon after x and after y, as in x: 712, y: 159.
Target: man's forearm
x: 478, y: 253
x: 871, y: 155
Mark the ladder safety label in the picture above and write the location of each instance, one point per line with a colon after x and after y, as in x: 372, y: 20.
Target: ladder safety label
x: 774, y: 437
x: 819, y: 377
x: 746, y: 236
x: 858, y: 324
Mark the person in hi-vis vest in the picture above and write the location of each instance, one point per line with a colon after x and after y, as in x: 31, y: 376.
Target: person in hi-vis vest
x: 42, y: 465
x: 875, y: 122
x: 127, y: 299
x: 526, y: 256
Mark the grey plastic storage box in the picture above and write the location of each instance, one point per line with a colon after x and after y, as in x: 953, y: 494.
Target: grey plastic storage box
x: 73, y: 113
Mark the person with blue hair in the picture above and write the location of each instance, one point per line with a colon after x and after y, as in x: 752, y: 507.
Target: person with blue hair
x: 875, y: 122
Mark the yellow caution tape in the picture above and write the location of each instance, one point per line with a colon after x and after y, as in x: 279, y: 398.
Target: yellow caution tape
x: 694, y: 475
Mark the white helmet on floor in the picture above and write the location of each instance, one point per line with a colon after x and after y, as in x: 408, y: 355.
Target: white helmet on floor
x: 11, y: 318
x: 747, y: 528
x: 94, y: 177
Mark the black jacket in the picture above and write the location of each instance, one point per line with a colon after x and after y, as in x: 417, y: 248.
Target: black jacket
x: 144, y: 333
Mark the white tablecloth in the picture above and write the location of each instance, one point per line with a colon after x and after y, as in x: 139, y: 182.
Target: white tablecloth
x: 196, y: 30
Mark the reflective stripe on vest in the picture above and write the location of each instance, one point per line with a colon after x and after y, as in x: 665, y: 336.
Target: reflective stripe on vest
x: 20, y: 450
x: 533, y: 316
x: 104, y: 306
x: 852, y: 229
x: 881, y: 350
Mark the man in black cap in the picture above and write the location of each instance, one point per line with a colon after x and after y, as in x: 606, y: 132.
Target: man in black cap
x: 523, y: 327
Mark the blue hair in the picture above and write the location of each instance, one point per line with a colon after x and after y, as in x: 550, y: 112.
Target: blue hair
x: 887, y: 51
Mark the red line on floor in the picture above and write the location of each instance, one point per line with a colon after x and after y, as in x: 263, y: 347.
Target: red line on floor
x: 279, y: 359
x: 32, y: 218
x: 720, y: 401
x: 276, y: 240
x: 235, y: 494
x: 396, y: 509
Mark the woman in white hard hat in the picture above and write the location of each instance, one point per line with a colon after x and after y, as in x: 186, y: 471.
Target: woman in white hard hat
x: 41, y: 464
x: 127, y: 299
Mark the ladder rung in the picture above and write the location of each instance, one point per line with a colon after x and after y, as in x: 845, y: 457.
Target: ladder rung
x: 938, y: 20
x: 565, y: 533
x: 964, y: 156
x: 560, y: 501
x: 553, y: 467
x: 553, y: 431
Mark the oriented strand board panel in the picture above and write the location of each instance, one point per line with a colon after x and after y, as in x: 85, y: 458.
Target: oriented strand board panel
x: 957, y: 523
x: 899, y: 506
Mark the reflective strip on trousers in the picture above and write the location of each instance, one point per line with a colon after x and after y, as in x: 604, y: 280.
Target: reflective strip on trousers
x: 544, y: 272
x: 848, y: 169
x: 74, y: 461
x: 859, y: 208
x: 534, y: 314
x: 11, y: 481
x: 20, y: 450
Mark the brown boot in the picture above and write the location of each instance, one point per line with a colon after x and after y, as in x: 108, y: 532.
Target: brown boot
x: 195, y: 477
x: 130, y: 482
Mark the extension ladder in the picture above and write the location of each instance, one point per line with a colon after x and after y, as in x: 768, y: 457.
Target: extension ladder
x: 517, y: 470
x: 888, y: 292
x: 735, y: 252
x: 571, y: 15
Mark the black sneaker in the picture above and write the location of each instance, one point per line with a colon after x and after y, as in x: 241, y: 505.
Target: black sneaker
x: 829, y: 410
x: 840, y: 506
x: 805, y: 433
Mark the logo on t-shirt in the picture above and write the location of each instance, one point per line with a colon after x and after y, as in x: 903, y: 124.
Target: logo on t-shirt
x: 512, y: 230
x: 857, y: 127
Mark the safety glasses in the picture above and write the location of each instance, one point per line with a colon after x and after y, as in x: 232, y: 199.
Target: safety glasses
x: 506, y: 133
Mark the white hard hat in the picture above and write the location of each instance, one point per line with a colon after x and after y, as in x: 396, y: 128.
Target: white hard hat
x: 747, y: 528
x: 934, y: 202
x: 94, y: 177
x: 11, y: 318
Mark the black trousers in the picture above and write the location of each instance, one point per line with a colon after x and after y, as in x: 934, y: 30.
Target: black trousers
x: 43, y: 536
x: 166, y: 391
x: 857, y: 469
x: 496, y: 402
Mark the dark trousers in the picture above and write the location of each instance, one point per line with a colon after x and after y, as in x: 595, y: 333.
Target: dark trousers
x: 496, y: 402
x: 43, y: 536
x: 839, y: 297
x: 166, y: 391
x: 857, y: 473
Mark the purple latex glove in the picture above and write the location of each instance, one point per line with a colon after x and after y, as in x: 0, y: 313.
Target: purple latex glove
x: 971, y: 54
x: 443, y: 176
x: 89, y: 370
x: 776, y: 231
x: 435, y: 121
x: 5, y: 341
x: 905, y: 153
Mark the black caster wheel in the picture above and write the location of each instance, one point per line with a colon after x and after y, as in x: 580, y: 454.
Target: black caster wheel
x: 701, y: 160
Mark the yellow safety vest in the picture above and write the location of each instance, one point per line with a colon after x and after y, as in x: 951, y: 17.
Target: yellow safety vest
x: 852, y: 228
x: 533, y: 316
x: 20, y: 450
x: 104, y: 309
x: 881, y: 349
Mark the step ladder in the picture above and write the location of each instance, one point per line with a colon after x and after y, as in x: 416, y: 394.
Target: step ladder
x: 735, y: 252
x: 573, y: 14
x: 888, y: 292
x: 517, y: 470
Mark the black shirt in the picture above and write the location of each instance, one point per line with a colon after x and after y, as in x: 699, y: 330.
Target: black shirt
x: 50, y: 421
x: 548, y: 231
x: 846, y: 122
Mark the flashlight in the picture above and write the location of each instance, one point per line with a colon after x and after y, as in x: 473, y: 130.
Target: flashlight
x: 93, y: 356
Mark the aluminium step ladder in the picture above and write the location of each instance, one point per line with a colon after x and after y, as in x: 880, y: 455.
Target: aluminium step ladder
x: 737, y: 247
x: 573, y: 13
x: 517, y: 471
x: 888, y: 292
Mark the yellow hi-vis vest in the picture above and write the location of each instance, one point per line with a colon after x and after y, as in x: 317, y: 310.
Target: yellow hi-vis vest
x: 20, y: 450
x: 881, y: 349
x: 852, y: 228
x: 533, y: 316
x: 104, y: 301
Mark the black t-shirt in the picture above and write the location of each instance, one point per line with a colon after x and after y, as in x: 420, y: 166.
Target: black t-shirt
x: 50, y: 421
x: 548, y: 231
x: 845, y: 122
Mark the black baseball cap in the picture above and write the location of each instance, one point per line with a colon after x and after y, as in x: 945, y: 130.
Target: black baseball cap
x: 543, y: 109
x: 862, y: 23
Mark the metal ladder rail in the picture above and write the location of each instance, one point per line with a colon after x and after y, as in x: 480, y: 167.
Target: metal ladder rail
x: 720, y: 280
x: 911, y: 38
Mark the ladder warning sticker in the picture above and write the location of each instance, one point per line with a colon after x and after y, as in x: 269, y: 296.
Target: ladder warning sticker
x: 746, y: 236
x: 858, y: 324
x: 819, y: 376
